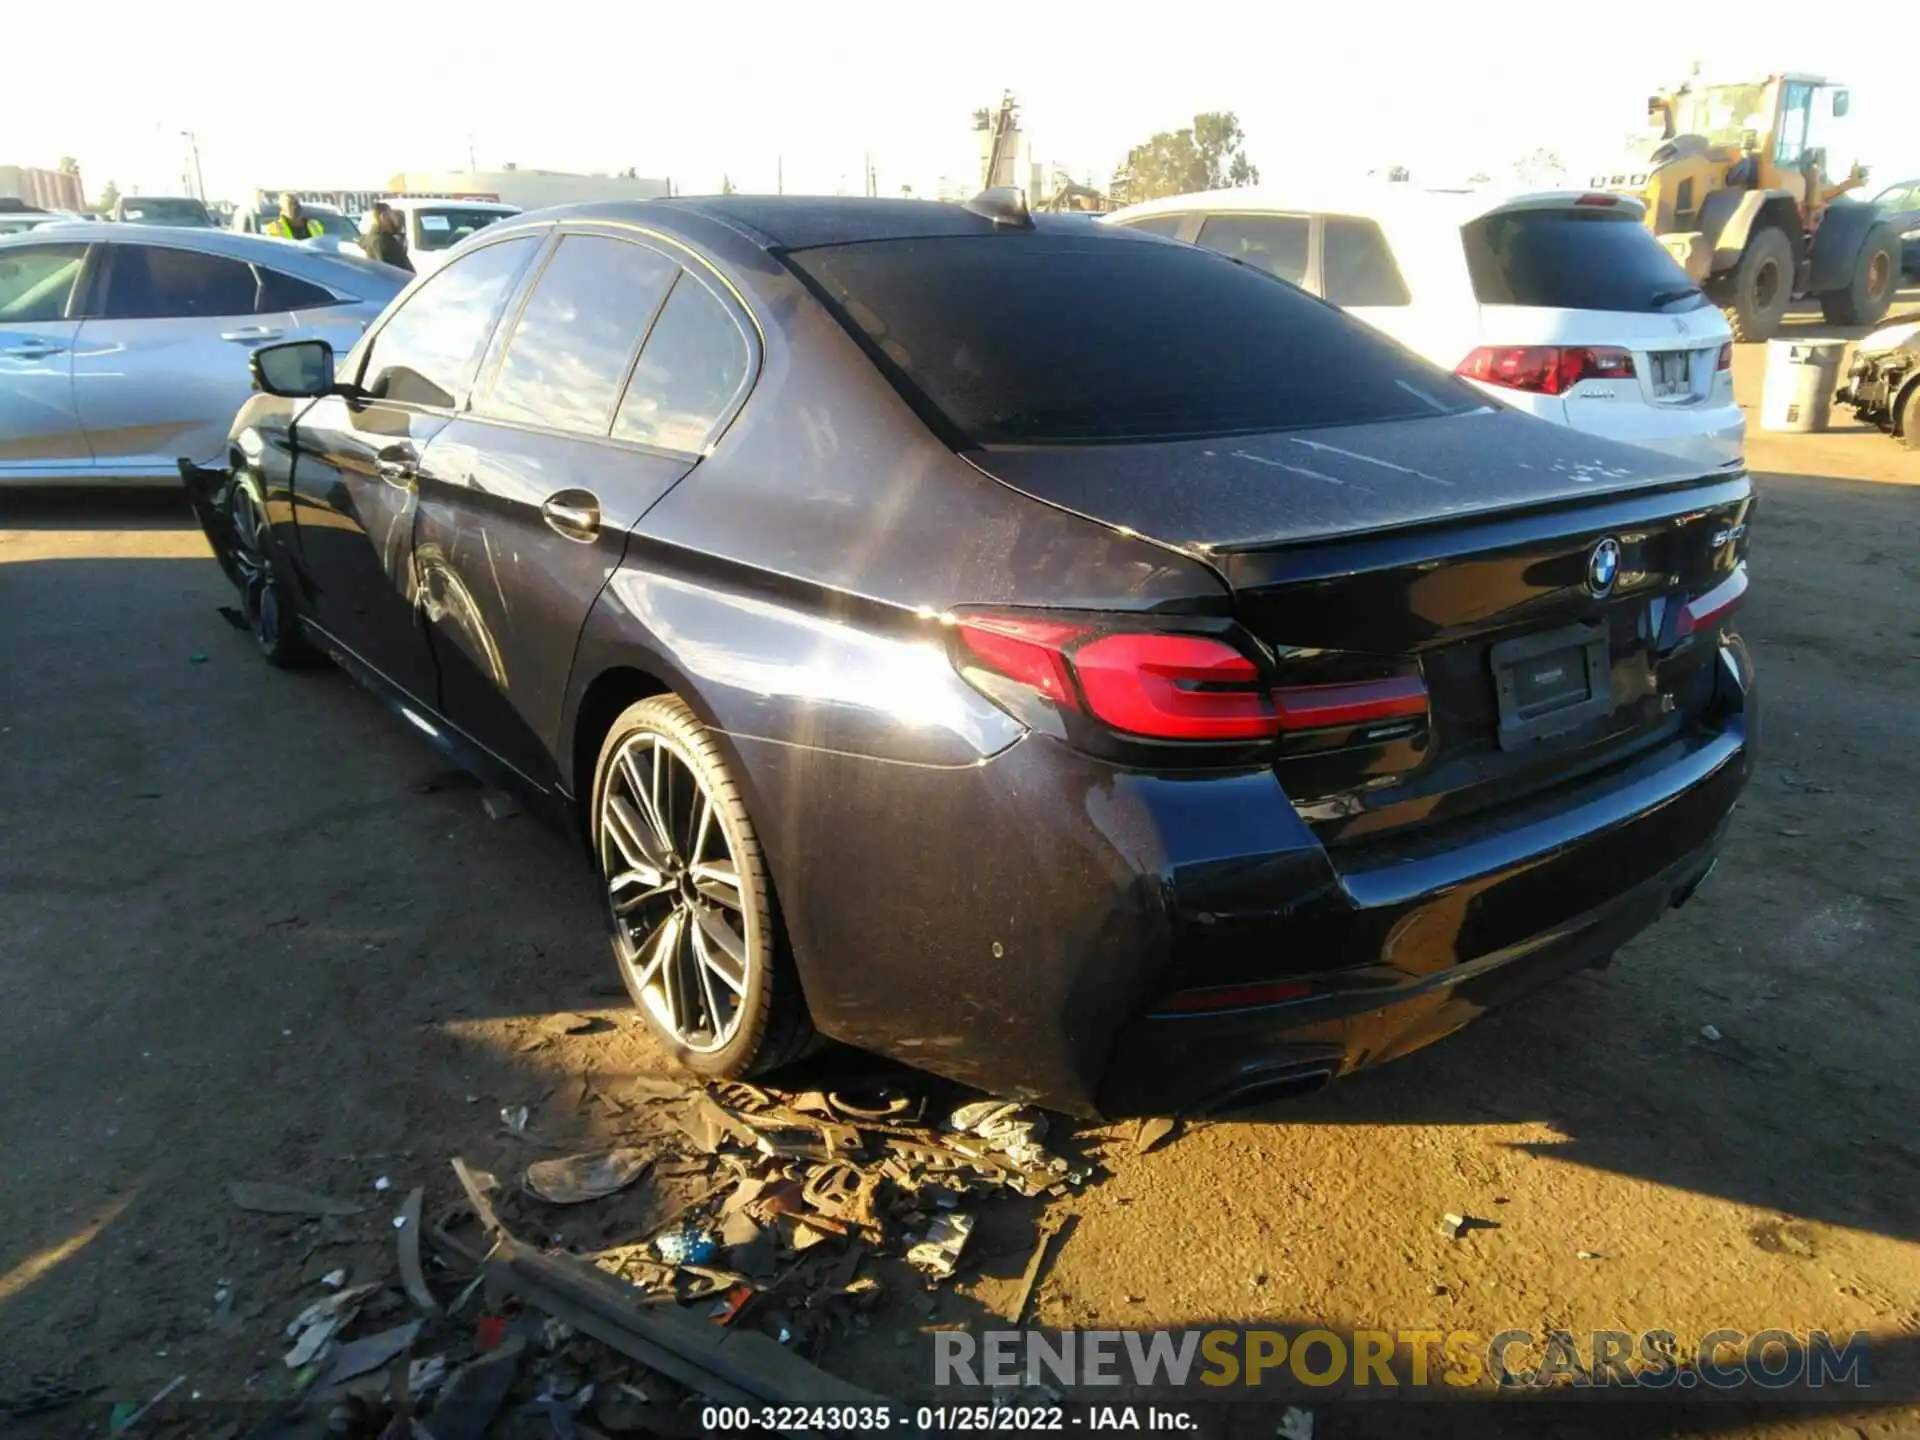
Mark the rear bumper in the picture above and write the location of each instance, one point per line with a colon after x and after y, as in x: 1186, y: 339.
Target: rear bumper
x: 1037, y: 924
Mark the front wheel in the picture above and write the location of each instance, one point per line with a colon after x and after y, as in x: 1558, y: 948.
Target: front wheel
x: 1876, y: 274
x: 696, y: 933
x: 263, y: 591
x: 1761, y: 286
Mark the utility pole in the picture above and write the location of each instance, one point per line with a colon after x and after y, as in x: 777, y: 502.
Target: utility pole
x: 473, y: 167
x: 779, y: 174
x: 199, y: 182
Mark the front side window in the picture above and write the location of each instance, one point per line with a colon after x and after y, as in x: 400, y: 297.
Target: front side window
x: 690, y: 371
x: 575, y: 337
x: 35, y: 282
x: 158, y: 282
x: 1276, y: 244
x: 1357, y: 266
x: 427, y: 353
x: 1796, y: 112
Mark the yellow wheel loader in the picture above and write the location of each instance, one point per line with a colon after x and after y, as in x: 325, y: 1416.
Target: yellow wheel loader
x: 1736, y: 187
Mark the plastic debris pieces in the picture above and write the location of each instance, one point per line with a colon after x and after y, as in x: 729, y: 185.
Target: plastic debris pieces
x: 267, y: 1197
x: 475, y: 1394
x: 1154, y: 1132
x: 383, y: 1183
x: 515, y: 1118
x: 688, y: 1243
x: 412, y: 1277
x: 576, y: 1179
x: 1296, y: 1424
x: 334, y: 1279
x: 126, y: 1415
x: 499, y: 805
x: 313, y: 1329
x: 1710, y: 1033
x: 939, y: 1252
x: 370, y: 1352
x: 567, y: 1022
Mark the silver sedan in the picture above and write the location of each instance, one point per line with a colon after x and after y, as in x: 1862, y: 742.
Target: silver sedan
x: 123, y: 348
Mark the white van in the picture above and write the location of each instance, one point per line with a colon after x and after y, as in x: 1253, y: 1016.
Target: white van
x: 1557, y: 303
x: 432, y: 226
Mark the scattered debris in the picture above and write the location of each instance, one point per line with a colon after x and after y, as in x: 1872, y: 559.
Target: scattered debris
x: 515, y: 1118
x: 267, y: 1197
x: 1710, y: 1033
x: 1587, y: 1255
x: 383, y: 1184
x: 567, y: 1022
x: 580, y: 1178
x: 334, y: 1279
x: 369, y: 1353
x: 1296, y: 1424
x: 475, y: 1394
x: 1453, y: 1225
x: 688, y: 1243
x: 499, y: 806
x: 1030, y: 1278
x: 120, y: 1422
x: 313, y: 1329
x: 939, y: 1252
x: 1154, y: 1132
x: 412, y: 1277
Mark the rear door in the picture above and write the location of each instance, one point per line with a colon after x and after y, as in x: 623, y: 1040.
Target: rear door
x: 40, y: 431
x: 606, y: 388
x: 357, y: 461
x: 160, y: 364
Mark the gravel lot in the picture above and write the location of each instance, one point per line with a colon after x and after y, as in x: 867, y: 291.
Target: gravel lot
x: 247, y: 933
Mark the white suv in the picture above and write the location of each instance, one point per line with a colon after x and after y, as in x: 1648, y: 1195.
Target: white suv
x: 1558, y: 303
x: 433, y: 225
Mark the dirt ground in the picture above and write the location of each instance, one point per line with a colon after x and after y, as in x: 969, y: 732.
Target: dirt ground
x: 247, y: 933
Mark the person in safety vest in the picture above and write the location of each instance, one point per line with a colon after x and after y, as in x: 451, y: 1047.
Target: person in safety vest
x: 293, y: 223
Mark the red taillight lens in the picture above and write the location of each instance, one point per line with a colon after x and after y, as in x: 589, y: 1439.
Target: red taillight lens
x: 1161, y: 685
x: 1545, y: 369
x: 1704, y: 611
x: 1598, y: 200
x: 1029, y: 651
x: 1174, y: 687
x: 1725, y: 362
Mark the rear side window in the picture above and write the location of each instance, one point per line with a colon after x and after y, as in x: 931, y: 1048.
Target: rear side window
x: 577, y: 334
x: 1574, y: 260
x: 1062, y: 338
x: 1276, y: 244
x: 691, y: 369
x: 1168, y: 225
x: 426, y: 354
x: 284, y: 292
x: 155, y: 282
x: 35, y: 281
x: 1357, y: 267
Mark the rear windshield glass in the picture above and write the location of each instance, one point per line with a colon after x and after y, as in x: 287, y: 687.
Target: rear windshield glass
x: 1574, y: 260
x: 443, y: 229
x: 1058, y: 338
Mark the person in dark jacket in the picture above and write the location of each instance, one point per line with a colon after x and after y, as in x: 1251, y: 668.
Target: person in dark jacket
x: 384, y: 242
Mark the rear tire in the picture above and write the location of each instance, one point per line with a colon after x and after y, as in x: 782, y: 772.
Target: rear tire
x: 1876, y: 275
x: 1906, y: 420
x: 1761, y: 286
x: 696, y: 933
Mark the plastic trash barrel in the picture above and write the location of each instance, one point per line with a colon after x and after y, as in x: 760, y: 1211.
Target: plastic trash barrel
x: 1801, y: 377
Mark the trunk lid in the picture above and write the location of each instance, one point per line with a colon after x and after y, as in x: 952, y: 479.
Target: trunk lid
x: 1462, y: 550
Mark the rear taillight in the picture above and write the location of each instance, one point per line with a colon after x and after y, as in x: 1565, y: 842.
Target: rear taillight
x: 1725, y: 362
x: 1160, y: 684
x: 1705, y: 611
x: 1545, y: 369
x: 1598, y: 200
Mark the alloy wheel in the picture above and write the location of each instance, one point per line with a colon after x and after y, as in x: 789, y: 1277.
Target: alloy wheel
x: 683, y: 929
x: 259, y: 595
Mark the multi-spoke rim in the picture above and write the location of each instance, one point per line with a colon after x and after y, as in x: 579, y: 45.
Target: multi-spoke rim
x: 259, y: 597
x: 682, y: 927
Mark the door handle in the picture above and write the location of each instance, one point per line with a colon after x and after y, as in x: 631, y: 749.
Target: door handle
x: 251, y: 335
x: 395, y: 465
x: 573, y: 513
x: 33, y: 350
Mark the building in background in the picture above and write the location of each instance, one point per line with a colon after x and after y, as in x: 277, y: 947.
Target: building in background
x: 529, y: 189
x: 47, y: 189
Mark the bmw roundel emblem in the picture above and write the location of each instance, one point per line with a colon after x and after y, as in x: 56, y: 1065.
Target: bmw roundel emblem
x: 1603, y: 567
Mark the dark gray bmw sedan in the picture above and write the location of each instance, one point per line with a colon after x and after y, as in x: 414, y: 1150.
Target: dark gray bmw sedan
x: 1070, y: 661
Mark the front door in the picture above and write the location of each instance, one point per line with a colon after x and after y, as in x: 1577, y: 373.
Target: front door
x: 40, y: 431
x: 357, y: 463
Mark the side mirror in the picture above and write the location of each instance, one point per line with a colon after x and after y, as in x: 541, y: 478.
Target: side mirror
x: 1840, y: 103
x: 298, y: 370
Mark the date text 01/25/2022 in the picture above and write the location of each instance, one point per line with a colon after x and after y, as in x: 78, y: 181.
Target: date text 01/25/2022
x: 943, y: 1418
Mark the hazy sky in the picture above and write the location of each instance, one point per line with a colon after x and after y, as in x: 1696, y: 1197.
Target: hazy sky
x: 695, y: 91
